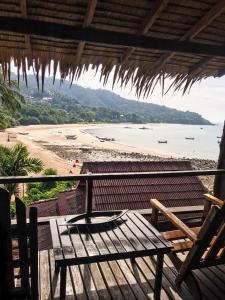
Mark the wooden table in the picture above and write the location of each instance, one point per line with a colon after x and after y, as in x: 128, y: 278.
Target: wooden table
x: 130, y: 236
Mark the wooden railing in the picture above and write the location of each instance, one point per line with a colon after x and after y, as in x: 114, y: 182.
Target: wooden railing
x: 89, y: 178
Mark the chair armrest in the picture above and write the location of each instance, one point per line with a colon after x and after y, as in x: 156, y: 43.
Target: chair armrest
x: 173, y: 219
x: 214, y: 200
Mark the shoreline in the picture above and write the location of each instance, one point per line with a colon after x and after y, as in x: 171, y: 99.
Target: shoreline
x: 59, y: 145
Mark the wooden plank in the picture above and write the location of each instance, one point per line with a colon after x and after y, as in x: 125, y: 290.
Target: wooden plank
x: 99, y: 282
x: 142, y: 239
x: 177, y: 234
x: 201, y: 24
x: 154, y: 230
x: 55, y: 276
x: 219, y: 186
x: 57, y: 247
x: 22, y: 243
x: 214, y: 200
x: 112, y: 285
x: 145, y: 277
x: 170, y: 274
x: 205, y: 236
x: 217, y: 244
x: 56, y: 280
x: 206, y: 19
x: 182, y: 246
x: 6, y: 270
x: 99, y: 242
x: 88, y: 243
x: 158, y: 7
x: 116, y: 234
x: 33, y: 238
x: 174, y: 220
x: 148, y: 233
x: 135, y: 287
x: 78, y: 245
x: 150, y: 19
x: 45, y: 285
x: 64, y: 236
x: 87, y: 21
x: 78, y: 283
x: 93, y: 35
x: 88, y: 282
x: 128, y: 232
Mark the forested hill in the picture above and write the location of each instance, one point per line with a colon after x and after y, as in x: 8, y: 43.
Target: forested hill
x: 108, y: 106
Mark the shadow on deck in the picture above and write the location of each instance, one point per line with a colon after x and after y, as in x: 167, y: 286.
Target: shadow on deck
x: 123, y: 280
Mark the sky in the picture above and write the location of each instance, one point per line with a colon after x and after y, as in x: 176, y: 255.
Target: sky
x: 206, y: 97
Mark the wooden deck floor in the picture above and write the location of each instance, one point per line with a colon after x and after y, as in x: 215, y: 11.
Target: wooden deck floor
x: 123, y: 280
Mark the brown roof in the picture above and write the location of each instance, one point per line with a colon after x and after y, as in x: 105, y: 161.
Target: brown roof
x: 144, y: 41
x: 124, y: 193
x: 136, y: 193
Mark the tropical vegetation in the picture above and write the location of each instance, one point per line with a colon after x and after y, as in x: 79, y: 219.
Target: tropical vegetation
x: 11, y: 101
x: 46, y: 190
x: 16, y: 161
x: 62, y: 103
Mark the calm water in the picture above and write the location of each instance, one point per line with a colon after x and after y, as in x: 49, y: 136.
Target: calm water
x: 205, y: 143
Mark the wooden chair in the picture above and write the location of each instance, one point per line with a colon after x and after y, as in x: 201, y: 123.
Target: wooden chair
x: 19, y: 267
x: 205, y: 244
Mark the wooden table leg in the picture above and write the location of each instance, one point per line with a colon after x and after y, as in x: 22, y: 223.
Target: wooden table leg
x: 63, y: 282
x: 158, y: 276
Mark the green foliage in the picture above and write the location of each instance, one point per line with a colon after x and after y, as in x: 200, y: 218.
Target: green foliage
x: 51, y: 184
x: 10, y: 100
x: 16, y: 161
x: 64, y: 104
x: 46, y: 190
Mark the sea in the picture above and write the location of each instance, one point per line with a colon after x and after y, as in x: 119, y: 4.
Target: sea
x: 187, y: 141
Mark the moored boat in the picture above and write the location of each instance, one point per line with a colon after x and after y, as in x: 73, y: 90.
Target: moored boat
x: 162, y: 142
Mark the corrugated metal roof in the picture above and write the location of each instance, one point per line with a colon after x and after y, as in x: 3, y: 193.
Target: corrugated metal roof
x: 136, y: 193
x: 121, y: 194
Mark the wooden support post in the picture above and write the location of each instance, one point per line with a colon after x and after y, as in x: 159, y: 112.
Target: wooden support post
x: 34, y: 253
x: 6, y: 269
x: 158, y: 276
x: 219, y: 183
x: 154, y: 216
x: 89, y: 191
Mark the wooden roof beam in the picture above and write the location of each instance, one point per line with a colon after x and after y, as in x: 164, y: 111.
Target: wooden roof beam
x: 24, y: 12
x: 156, y: 10
x: 93, y: 35
x: 87, y: 21
x: 208, y: 18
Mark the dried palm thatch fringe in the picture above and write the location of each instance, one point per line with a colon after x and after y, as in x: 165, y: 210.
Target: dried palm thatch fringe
x: 143, y: 76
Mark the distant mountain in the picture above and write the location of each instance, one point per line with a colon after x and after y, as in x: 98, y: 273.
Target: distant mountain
x: 141, y: 112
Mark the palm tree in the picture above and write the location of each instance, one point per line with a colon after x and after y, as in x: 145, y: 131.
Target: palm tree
x: 10, y: 99
x: 16, y: 161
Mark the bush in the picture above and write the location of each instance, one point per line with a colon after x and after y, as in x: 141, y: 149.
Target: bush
x: 47, y: 190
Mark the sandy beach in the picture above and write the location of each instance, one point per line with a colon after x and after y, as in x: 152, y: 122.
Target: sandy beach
x: 59, y: 145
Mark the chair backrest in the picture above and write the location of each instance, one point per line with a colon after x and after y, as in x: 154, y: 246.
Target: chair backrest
x: 20, y: 239
x: 210, y: 247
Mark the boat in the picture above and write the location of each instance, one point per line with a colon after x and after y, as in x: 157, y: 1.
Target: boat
x: 189, y: 138
x: 71, y: 137
x: 162, y: 142
x: 143, y: 127
x: 219, y: 137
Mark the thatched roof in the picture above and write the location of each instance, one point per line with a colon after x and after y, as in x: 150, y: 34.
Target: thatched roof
x: 145, y: 41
